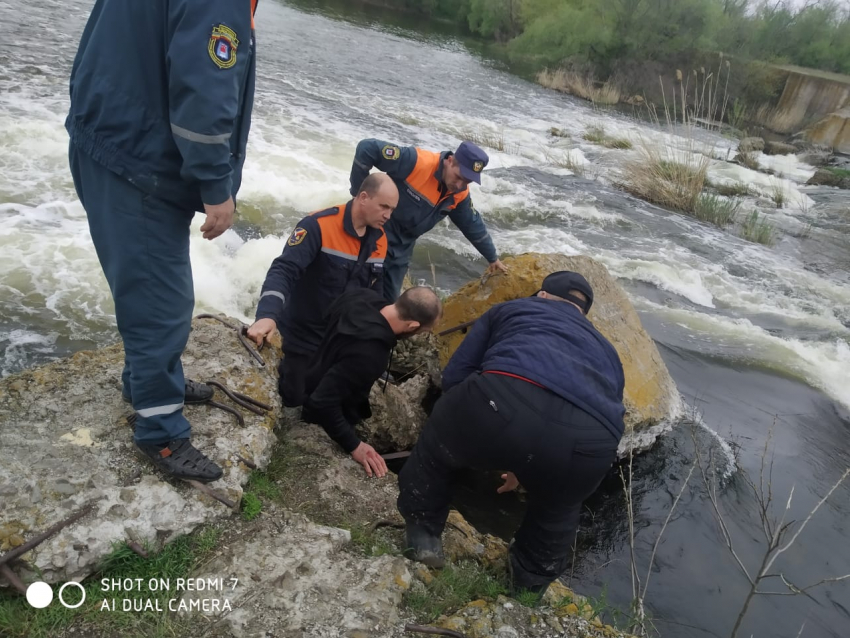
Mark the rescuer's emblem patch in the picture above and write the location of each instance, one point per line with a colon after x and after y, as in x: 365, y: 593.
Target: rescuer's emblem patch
x: 478, y: 167
x: 297, y: 236
x: 391, y: 152
x: 223, y: 45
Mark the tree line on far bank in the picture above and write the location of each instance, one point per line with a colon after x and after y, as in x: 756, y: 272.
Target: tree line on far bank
x: 604, y: 33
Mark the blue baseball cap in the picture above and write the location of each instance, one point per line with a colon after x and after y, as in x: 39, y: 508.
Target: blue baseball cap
x: 472, y: 160
x: 562, y: 282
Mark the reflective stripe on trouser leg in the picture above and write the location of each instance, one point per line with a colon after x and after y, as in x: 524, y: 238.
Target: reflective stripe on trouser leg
x: 143, y: 246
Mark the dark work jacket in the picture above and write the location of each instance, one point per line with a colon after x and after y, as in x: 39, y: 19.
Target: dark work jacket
x: 423, y: 200
x: 323, y: 258
x: 162, y: 92
x: 551, y: 343
x: 354, y: 353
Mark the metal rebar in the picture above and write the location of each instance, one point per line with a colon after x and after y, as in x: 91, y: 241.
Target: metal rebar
x: 395, y: 455
x: 219, y: 319
x: 137, y: 548
x: 240, y: 330
x: 463, y: 327
x: 436, y: 631
x: 23, y: 549
x: 250, y: 464
x: 212, y: 493
x: 227, y: 408
x: 233, y: 397
x: 241, y: 334
x: 259, y: 404
x: 13, y: 579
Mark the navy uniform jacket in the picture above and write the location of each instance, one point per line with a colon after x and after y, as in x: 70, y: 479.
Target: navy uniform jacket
x: 423, y: 200
x: 323, y: 258
x: 162, y: 92
x: 551, y: 343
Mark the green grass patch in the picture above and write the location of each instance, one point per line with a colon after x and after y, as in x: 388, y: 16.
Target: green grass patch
x: 716, y: 210
x: 840, y: 172
x: 176, y: 560
x: 251, y: 506
x: 452, y: 588
x: 738, y: 189
x: 370, y: 543
x: 757, y: 228
x: 597, y: 135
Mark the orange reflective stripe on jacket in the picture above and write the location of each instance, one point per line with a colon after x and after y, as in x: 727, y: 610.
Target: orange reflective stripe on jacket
x: 423, y: 182
x: 336, y: 241
x: 253, y: 11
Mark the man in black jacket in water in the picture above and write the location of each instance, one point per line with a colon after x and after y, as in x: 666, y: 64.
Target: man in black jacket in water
x: 355, y: 351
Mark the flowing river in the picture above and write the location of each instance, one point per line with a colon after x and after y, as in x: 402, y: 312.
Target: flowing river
x: 756, y: 337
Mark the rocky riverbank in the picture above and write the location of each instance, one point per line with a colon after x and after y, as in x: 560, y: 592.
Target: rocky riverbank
x: 321, y: 555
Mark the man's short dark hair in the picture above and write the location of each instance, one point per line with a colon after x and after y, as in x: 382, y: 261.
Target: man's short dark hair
x: 372, y: 184
x: 421, y: 304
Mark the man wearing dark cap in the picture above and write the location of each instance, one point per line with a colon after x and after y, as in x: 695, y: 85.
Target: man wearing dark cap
x: 431, y: 185
x: 536, y: 391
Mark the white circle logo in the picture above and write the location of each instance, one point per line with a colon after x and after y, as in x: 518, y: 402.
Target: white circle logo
x: 62, y: 588
x: 39, y: 594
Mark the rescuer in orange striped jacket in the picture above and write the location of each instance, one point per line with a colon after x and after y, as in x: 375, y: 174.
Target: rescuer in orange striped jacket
x: 431, y: 186
x: 329, y: 252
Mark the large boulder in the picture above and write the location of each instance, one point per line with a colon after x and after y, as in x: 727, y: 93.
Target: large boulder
x: 750, y: 145
x: 650, y: 397
x: 65, y: 442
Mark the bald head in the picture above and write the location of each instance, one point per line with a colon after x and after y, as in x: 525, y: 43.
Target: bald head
x: 415, y: 311
x: 375, y: 202
x: 374, y: 182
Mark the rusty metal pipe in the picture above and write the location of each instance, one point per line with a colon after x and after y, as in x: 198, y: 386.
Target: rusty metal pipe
x: 232, y: 396
x: 252, y: 401
x: 13, y: 579
x: 23, y: 549
x: 463, y: 327
x: 227, y: 408
x: 240, y: 331
x: 250, y: 464
x: 212, y: 493
x: 137, y: 548
x: 395, y: 455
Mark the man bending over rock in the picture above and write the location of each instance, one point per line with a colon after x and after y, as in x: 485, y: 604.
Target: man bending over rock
x: 355, y: 351
x: 535, y: 390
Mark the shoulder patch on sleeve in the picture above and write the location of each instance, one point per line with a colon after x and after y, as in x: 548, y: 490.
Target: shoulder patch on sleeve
x: 222, y: 46
x: 297, y: 236
x: 391, y: 152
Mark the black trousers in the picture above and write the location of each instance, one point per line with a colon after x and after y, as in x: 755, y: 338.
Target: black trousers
x: 558, y: 452
x: 292, y: 375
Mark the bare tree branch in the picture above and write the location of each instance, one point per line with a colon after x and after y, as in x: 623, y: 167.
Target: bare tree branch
x: 664, y: 527
x: 808, y: 518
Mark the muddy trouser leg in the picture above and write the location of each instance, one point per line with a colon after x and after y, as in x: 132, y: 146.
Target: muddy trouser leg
x: 292, y: 374
x: 142, y: 243
x: 561, y: 459
x: 463, y: 431
x: 491, y: 422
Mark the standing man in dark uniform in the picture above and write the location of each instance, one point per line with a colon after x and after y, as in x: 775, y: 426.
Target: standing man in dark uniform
x: 329, y: 252
x: 161, y: 99
x: 533, y: 389
x: 430, y: 185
